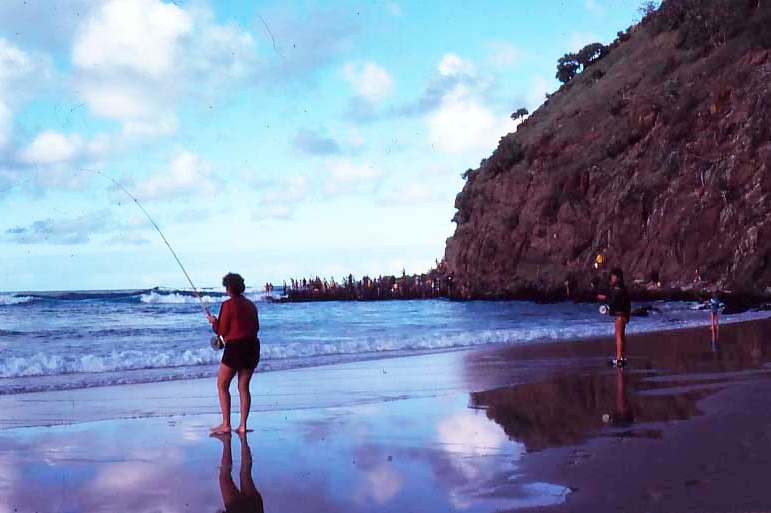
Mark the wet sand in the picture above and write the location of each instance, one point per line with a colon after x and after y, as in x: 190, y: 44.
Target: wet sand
x: 550, y: 427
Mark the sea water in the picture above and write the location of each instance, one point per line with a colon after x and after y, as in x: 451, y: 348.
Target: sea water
x: 64, y: 340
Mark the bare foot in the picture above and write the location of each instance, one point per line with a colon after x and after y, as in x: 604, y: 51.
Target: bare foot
x: 222, y: 429
x: 242, y: 430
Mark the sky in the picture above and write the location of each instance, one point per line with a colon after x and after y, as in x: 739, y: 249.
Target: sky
x: 274, y: 139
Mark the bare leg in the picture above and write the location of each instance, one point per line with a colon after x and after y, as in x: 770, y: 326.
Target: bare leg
x: 224, y: 377
x: 227, y: 486
x: 247, y: 483
x: 245, y: 396
x: 620, y: 328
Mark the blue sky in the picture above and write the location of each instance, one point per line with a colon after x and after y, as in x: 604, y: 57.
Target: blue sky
x: 274, y: 139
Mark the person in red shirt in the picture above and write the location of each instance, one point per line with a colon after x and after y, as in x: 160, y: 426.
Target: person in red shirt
x: 237, y: 325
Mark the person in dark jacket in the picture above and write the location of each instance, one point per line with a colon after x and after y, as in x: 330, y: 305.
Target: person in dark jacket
x: 620, y: 307
x: 237, y: 325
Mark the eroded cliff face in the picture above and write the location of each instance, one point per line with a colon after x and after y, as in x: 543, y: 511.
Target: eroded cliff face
x: 658, y: 156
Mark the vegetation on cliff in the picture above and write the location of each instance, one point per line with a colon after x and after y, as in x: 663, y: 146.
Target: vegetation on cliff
x: 657, y: 157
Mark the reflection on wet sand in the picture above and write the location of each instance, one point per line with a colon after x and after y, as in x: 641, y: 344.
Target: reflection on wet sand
x: 669, y: 373
x: 247, y: 498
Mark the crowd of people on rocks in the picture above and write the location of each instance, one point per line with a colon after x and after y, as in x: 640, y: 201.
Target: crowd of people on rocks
x: 435, y: 283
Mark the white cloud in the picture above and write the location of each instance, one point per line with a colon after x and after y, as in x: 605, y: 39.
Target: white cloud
x: 347, y: 176
x: 50, y: 147
x: 136, y: 59
x: 454, y: 65
x: 462, y: 124
x: 20, y: 75
x: 188, y: 175
x: 140, y: 35
x: 6, y: 126
x: 369, y: 80
x: 14, y: 63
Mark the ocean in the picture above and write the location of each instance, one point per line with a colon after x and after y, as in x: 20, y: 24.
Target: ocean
x: 66, y: 340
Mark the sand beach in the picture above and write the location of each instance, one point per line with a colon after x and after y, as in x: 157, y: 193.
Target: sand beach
x: 539, y: 427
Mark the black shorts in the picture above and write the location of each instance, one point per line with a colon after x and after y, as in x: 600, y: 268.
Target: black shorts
x: 242, y: 354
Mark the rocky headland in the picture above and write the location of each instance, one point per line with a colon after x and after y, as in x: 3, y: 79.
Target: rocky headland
x: 655, y: 157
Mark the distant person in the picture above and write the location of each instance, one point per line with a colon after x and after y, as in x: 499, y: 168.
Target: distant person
x: 714, y: 304
x: 238, y: 325
x: 248, y: 498
x: 620, y: 307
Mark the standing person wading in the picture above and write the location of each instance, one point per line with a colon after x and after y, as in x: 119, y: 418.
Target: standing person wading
x: 238, y: 325
x: 620, y: 308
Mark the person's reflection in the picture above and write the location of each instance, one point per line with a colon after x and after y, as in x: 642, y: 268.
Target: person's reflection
x: 248, y: 499
x: 623, y: 415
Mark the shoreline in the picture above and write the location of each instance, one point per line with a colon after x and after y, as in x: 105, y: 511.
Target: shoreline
x: 516, y: 427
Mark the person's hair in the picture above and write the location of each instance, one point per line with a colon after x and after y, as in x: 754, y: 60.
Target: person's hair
x: 618, y: 273
x: 234, y: 282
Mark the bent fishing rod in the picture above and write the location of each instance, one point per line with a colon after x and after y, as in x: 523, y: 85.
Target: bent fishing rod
x: 155, y: 225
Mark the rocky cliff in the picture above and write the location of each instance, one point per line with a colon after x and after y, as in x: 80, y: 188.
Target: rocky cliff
x: 657, y: 157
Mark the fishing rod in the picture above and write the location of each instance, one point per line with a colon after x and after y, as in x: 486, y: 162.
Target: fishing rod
x: 155, y: 225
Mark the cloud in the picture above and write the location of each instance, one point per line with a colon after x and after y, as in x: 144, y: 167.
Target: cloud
x: 346, y: 176
x: 76, y: 230
x: 57, y: 156
x: 138, y: 35
x: 52, y: 147
x: 462, y: 124
x: 279, y: 199
x: 453, y: 65
x: 369, y: 81
x: 21, y: 75
x: 372, y: 85
x: 135, y: 59
x: 188, y: 175
x: 452, y: 72
x: 313, y: 143
x: 6, y: 126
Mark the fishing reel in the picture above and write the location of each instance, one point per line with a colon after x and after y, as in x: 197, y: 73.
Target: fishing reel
x: 604, y: 310
x: 217, y: 342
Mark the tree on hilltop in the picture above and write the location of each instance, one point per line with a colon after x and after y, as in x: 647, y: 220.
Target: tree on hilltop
x: 570, y: 64
x: 520, y: 113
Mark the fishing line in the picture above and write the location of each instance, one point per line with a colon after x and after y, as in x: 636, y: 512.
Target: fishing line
x: 155, y: 225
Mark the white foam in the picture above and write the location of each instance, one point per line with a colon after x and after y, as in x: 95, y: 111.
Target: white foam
x: 13, y: 299
x: 42, y: 364
x: 176, y: 298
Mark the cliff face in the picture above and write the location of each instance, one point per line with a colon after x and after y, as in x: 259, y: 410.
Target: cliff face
x: 657, y: 156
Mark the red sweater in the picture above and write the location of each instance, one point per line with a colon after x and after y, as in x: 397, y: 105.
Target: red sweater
x: 238, y: 320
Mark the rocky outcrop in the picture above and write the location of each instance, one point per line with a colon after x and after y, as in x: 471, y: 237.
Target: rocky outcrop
x: 657, y: 157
